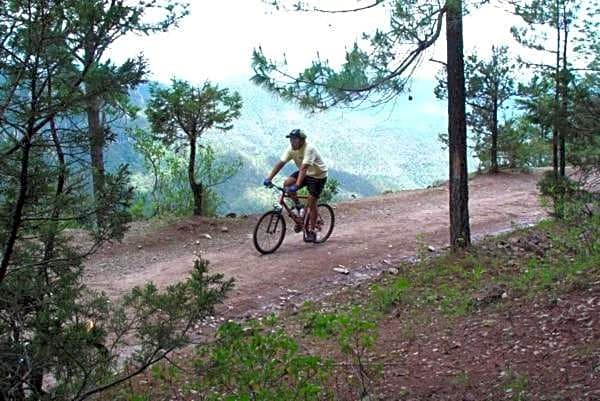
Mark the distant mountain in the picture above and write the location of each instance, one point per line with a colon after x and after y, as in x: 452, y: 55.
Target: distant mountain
x: 368, y: 150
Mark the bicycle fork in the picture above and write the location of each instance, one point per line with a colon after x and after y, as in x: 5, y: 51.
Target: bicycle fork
x: 272, y: 227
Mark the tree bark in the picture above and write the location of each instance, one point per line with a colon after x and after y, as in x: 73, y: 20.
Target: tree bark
x: 564, y: 94
x: 494, y: 149
x: 97, y: 142
x: 556, y: 119
x: 196, y: 187
x: 17, y: 211
x: 460, y: 235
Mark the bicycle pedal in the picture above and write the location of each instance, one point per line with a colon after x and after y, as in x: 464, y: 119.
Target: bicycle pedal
x: 297, y: 228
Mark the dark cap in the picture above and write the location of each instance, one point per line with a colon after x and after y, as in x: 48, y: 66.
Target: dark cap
x: 296, y: 133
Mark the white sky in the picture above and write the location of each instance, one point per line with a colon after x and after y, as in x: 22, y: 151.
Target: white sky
x: 215, y: 41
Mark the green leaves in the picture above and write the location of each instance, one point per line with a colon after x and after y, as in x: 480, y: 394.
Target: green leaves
x: 163, y: 318
x: 180, y: 114
x: 377, y: 67
x: 259, y: 362
x: 183, y: 111
x: 489, y: 85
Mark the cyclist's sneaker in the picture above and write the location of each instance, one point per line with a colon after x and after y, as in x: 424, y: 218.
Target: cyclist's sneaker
x: 311, y: 236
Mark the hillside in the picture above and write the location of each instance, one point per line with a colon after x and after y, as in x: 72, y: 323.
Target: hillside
x: 369, y: 150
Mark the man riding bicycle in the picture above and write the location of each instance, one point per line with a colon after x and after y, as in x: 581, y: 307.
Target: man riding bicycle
x: 311, y: 173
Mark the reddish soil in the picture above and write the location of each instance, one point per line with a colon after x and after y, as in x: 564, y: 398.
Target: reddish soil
x: 541, y: 349
x: 369, y: 234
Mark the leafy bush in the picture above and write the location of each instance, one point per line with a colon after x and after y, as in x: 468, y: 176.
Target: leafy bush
x: 386, y: 297
x: 259, y: 363
x: 565, y: 195
x: 166, y: 191
x: 332, y: 188
x: 73, y: 340
x: 355, y: 332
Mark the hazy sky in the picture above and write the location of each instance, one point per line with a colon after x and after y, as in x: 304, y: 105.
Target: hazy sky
x: 216, y: 40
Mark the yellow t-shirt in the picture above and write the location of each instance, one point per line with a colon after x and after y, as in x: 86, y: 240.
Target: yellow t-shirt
x: 307, y: 154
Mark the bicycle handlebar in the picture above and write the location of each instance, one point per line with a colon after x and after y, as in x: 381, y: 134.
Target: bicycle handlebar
x: 277, y: 187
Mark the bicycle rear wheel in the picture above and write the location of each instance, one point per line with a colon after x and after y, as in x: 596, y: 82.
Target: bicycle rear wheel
x: 269, y: 232
x: 324, y: 224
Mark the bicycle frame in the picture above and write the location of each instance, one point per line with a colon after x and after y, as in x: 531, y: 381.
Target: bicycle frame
x: 297, y: 219
x: 282, y: 197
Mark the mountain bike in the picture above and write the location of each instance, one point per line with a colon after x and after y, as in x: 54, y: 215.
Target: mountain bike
x: 270, y: 228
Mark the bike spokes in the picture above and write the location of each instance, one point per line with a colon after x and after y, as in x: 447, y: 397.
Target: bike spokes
x: 269, y: 232
x: 324, y: 223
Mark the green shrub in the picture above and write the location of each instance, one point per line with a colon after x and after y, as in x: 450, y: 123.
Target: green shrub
x: 386, y: 297
x: 259, y: 363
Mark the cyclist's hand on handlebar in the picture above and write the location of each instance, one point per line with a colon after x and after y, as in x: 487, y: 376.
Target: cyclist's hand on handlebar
x: 267, y: 183
x: 292, y: 188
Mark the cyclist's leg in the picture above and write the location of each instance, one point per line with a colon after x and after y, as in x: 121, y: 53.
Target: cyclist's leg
x: 315, y: 187
x: 290, y: 181
x: 312, y: 216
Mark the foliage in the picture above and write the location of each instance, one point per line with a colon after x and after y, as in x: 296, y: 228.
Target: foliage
x: 562, y: 192
x: 584, y: 140
x: 167, y: 194
x: 556, y: 27
x: 355, y: 332
x: 79, y: 344
x: 95, y: 25
x: 489, y: 85
x: 516, y: 385
x: 379, y: 65
x: 181, y: 114
x: 58, y: 339
x: 332, y: 188
x: 520, y: 145
x: 387, y: 297
x: 259, y: 363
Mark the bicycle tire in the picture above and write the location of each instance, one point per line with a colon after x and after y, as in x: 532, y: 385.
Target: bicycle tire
x: 274, y: 221
x: 322, y: 208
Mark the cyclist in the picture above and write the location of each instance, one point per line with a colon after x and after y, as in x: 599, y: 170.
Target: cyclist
x: 312, y: 173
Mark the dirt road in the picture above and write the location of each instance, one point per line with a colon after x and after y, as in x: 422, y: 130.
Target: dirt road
x: 367, y: 233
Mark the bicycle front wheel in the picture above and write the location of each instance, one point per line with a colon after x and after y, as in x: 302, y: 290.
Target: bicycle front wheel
x: 324, y: 224
x: 269, y: 232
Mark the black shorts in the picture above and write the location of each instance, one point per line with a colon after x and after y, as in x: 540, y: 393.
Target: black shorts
x: 315, y: 185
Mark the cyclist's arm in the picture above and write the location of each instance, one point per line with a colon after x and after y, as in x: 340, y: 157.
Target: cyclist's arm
x: 276, y: 168
x: 302, y: 174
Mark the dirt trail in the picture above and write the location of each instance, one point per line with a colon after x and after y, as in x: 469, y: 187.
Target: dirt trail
x: 368, y: 231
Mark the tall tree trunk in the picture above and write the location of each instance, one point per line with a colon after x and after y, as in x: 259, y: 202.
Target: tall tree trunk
x: 564, y: 94
x: 196, y: 187
x: 460, y: 235
x: 17, y: 210
x: 97, y: 142
x: 494, y: 149
x: 556, y: 117
x: 16, y: 218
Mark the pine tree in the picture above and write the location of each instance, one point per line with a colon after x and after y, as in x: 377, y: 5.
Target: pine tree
x: 560, y: 16
x: 183, y: 113
x: 58, y: 339
x: 489, y: 85
x: 95, y: 27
